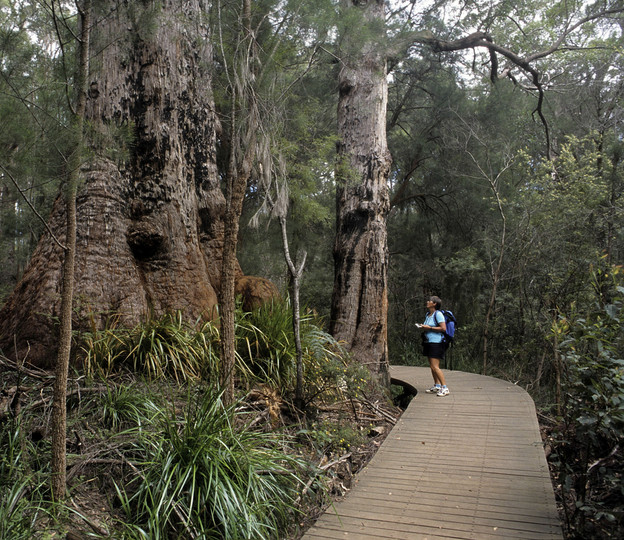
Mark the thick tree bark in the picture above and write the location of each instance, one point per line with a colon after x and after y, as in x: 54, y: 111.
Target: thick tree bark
x: 150, y: 226
x: 359, y: 302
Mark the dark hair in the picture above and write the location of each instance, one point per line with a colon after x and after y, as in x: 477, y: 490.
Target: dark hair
x: 437, y: 301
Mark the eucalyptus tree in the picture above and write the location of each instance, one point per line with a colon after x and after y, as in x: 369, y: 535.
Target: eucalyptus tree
x: 360, y: 301
x: 515, y: 47
x: 149, y: 205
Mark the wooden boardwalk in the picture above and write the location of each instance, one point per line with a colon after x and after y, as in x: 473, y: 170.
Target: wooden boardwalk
x: 469, y: 465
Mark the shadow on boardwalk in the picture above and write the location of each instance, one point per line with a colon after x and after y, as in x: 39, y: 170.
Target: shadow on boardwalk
x: 468, y: 465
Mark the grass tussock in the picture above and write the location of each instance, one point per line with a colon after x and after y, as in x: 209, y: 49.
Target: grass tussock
x: 205, y: 473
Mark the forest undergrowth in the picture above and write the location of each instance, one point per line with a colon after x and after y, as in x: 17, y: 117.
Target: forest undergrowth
x: 137, y: 451
x: 154, y: 453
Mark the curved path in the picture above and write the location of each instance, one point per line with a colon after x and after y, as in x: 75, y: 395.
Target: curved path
x: 468, y: 465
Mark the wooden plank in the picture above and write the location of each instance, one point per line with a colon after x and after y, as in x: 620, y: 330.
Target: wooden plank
x: 469, y: 466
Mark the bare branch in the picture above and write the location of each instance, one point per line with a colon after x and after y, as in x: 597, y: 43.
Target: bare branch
x: 482, y: 39
x: 557, y: 44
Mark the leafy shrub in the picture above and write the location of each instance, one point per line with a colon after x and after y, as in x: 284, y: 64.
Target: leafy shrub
x: 588, y: 454
x: 332, y: 436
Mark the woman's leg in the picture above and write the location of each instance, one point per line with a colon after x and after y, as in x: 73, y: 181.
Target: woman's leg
x: 438, y: 376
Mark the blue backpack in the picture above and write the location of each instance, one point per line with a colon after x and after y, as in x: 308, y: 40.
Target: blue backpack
x: 451, y: 323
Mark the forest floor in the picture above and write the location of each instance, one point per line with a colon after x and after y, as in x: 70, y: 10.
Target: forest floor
x: 341, y: 438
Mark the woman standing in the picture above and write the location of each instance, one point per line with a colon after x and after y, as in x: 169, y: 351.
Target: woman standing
x: 433, y: 344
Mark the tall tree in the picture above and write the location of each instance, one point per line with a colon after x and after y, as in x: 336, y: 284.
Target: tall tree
x: 359, y: 302
x: 150, y: 210
x: 243, y: 127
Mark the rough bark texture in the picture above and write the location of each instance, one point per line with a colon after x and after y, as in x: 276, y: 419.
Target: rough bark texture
x: 255, y: 291
x: 359, y: 302
x: 150, y: 229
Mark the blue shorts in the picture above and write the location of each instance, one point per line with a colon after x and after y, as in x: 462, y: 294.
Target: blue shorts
x: 434, y: 350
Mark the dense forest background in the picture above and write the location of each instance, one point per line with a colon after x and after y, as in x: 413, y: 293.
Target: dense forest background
x: 505, y: 186
x: 509, y: 220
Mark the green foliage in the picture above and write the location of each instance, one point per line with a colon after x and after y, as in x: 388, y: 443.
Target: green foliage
x: 588, y: 454
x: 265, y: 343
x: 202, y: 476
x: 159, y: 347
x: 171, y: 347
x: 22, y: 491
x: 33, y: 110
x: 331, y: 437
x: 574, y: 189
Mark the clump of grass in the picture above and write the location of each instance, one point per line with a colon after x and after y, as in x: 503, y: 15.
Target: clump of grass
x: 203, y: 477
x: 265, y: 343
x: 125, y: 406
x: 167, y: 346
x: 266, y: 346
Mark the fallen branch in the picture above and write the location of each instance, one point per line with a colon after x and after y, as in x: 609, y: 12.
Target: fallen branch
x: 390, y: 418
x: 603, y: 460
x: 78, y: 391
x: 81, y: 463
x: 96, y: 528
x: 315, y: 476
x: 35, y: 373
x: 335, y: 462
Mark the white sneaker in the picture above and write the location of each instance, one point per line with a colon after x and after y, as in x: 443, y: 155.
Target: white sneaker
x: 444, y: 391
x: 433, y: 390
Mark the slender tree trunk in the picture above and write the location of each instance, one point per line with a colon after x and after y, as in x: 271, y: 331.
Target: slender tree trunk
x: 557, y: 364
x: 235, y: 194
x: 497, y: 268
x: 496, y: 273
x: 242, y: 155
x: 295, y: 276
x: 360, y: 297
x: 59, y: 415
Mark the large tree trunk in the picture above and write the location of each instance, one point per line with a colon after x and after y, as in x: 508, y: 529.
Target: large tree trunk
x: 150, y: 226
x: 359, y: 302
